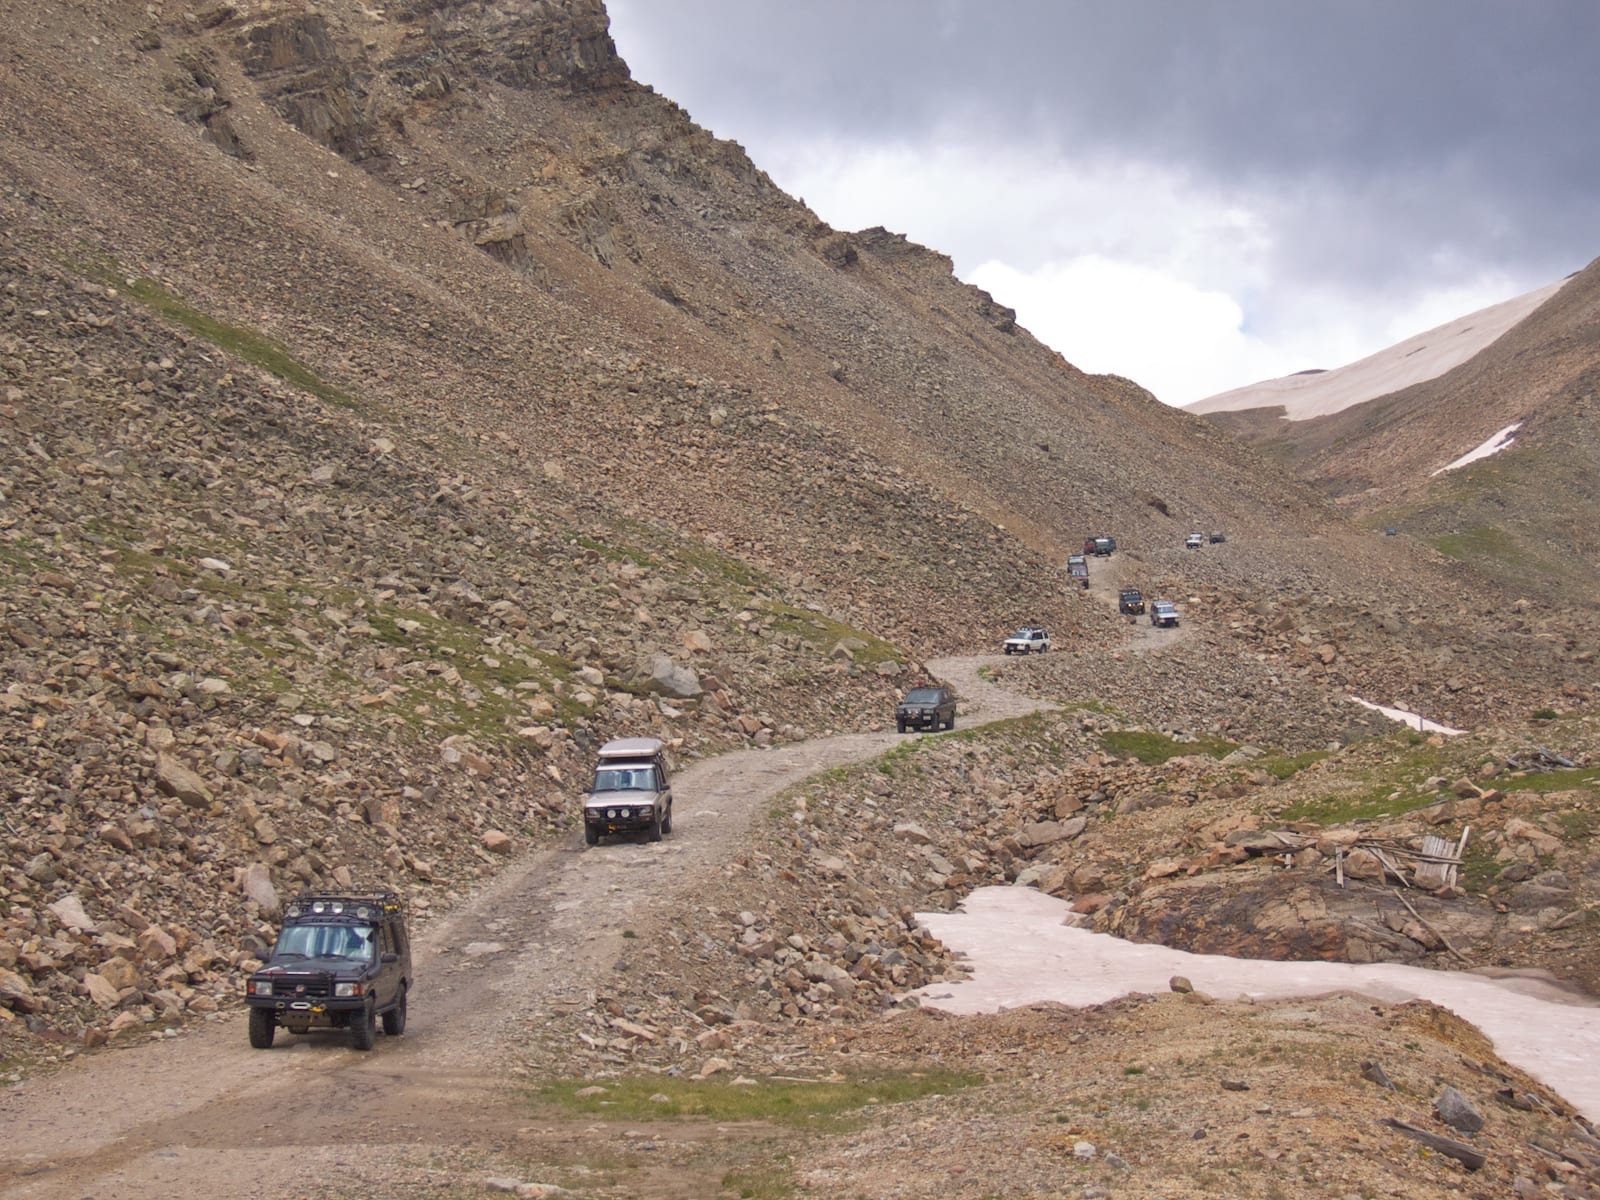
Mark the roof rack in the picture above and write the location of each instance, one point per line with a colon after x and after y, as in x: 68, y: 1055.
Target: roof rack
x: 351, y: 902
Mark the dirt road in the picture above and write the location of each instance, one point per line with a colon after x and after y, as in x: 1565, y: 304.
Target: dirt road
x: 200, y: 1113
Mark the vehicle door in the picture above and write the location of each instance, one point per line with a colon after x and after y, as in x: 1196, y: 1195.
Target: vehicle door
x: 663, y: 787
x: 388, y: 977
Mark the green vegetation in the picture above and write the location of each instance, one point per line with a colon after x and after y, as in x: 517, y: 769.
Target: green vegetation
x: 1484, y: 542
x: 253, y: 347
x: 1153, y: 749
x: 1282, y: 766
x: 616, y: 553
x: 1544, y: 714
x: 1550, y: 781
x: 771, y: 1181
x: 824, y: 633
x: 839, y: 1102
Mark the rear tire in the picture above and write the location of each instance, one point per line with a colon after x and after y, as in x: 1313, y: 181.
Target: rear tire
x: 363, y: 1029
x: 263, y: 1025
x: 394, y: 1021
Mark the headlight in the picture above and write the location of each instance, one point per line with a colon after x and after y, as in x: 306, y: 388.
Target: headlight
x: 345, y: 990
x: 263, y: 988
x: 611, y: 814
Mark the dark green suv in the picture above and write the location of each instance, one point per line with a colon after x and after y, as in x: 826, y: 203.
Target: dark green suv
x: 342, y: 961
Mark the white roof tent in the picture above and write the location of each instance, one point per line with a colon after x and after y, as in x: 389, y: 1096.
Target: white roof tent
x: 631, y: 748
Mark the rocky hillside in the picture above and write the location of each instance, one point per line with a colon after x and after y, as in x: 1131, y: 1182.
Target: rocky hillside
x: 1523, y: 516
x: 400, y: 402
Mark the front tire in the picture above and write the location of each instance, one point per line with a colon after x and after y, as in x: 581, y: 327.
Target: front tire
x: 666, y: 821
x: 263, y: 1025
x: 394, y: 1021
x: 591, y: 835
x: 655, y: 827
x: 901, y: 726
x: 363, y: 1029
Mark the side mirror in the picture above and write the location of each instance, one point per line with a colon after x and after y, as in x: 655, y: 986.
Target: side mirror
x: 390, y: 957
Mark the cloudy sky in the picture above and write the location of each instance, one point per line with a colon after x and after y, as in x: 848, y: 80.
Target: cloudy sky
x: 1195, y: 195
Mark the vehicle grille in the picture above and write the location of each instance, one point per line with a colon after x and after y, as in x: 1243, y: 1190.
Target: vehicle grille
x: 295, y: 987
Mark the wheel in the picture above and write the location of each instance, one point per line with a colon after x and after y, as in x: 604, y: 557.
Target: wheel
x: 363, y: 1029
x: 900, y: 725
x: 951, y: 723
x: 655, y: 827
x: 262, y: 1028
x: 1007, y: 649
x: 1042, y: 649
x: 666, y: 821
x: 591, y: 834
x: 394, y: 1021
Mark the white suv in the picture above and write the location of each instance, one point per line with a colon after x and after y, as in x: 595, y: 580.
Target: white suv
x: 1026, y: 640
x: 631, y: 792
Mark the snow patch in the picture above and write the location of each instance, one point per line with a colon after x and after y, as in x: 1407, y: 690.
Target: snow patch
x: 1498, y: 442
x: 1414, y: 720
x: 1415, y: 360
x: 1023, y: 949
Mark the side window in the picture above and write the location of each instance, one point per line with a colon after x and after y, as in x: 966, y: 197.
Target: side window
x: 385, y: 940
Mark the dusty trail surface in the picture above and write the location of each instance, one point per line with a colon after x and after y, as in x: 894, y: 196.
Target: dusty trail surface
x: 204, y: 1112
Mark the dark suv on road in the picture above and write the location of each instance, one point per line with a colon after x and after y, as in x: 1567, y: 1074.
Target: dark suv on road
x: 1130, y: 602
x: 929, y: 706
x: 342, y: 961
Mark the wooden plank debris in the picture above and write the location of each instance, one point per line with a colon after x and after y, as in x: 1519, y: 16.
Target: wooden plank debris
x: 1464, y: 1154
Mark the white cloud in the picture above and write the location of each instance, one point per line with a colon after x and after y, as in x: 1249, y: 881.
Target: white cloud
x: 1125, y: 267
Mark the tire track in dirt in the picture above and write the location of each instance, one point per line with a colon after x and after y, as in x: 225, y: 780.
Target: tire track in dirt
x: 541, y: 937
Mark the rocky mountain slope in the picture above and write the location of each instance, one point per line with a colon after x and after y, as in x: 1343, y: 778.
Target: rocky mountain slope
x: 1523, y: 516
x: 398, y: 403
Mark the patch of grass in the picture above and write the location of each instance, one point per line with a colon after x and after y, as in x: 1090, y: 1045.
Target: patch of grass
x: 1549, y: 781
x: 1152, y: 749
x: 615, y: 553
x: 1543, y: 714
x: 1282, y: 766
x: 771, y: 1181
x: 786, y: 1101
x: 248, y: 344
x: 824, y: 633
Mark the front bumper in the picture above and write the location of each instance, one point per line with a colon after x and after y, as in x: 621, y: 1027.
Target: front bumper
x: 620, y: 818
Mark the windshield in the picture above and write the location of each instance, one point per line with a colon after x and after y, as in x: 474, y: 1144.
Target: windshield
x: 327, y: 941
x: 922, y: 696
x: 625, y: 779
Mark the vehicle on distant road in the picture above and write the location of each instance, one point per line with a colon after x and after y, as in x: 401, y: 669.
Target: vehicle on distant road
x: 1130, y: 602
x: 1194, y: 541
x: 926, y: 706
x: 631, y: 792
x: 1078, y: 568
x: 1100, y: 545
x: 1163, y: 614
x: 1029, y: 639
x: 1217, y: 536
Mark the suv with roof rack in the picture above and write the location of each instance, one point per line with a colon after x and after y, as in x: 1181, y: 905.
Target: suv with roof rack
x: 631, y: 792
x: 342, y: 961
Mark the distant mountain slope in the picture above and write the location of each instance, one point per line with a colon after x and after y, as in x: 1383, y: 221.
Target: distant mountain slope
x: 1417, y: 359
x: 1527, y: 514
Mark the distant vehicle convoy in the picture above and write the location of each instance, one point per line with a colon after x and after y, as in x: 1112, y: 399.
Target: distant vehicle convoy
x: 1163, y: 614
x: 1027, y: 640
x: 927, y: 706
